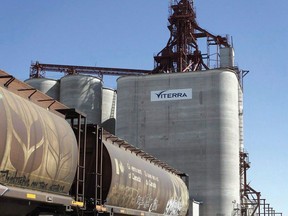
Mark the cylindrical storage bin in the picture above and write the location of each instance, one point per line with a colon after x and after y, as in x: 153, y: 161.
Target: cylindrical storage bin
x: 48, y: 86
x: 109, y: 98
x: 83, y: 93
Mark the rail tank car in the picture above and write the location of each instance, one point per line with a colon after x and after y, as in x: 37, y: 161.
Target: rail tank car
x: 38, y: 153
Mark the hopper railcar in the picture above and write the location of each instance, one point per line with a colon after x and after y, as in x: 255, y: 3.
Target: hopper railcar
x: 50, y: 165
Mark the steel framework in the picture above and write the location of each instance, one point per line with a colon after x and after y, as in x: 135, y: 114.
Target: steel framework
x: 266, y: 210
x: 250, y: 198
x: 251, y: 203
x: 182, y: 53
x: 37, y: 70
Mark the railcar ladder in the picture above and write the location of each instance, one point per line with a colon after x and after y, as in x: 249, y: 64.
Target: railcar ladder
x: 80, y: 181
x: 99, y: 167
x: 78, y: 123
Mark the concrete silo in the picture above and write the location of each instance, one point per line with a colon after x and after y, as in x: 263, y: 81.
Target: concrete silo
x: 108, y: 118
x: 83, y: 93
x: 191, y: 121
x: 50, y: 87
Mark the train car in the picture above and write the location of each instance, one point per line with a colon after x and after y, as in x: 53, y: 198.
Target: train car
x: 138, y: 183
x: 51, y: 167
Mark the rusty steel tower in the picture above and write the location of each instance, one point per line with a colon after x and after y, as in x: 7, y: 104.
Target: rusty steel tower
x: 182, y: 53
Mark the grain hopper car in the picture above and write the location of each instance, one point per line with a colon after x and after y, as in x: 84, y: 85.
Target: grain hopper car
x: 53, y: 163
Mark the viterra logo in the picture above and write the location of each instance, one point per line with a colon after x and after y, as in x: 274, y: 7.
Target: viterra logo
x: 163, y: 94
x: 172, y: 94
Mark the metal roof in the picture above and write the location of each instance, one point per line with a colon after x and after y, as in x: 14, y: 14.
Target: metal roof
x: 26, y: 91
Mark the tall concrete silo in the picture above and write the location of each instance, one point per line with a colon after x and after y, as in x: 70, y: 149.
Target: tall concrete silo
x: 50, y: 87
x: 109, y: 100
x: 83, y: 93
x: 191, y: 121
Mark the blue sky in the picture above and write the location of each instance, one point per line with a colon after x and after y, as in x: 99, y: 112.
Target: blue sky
x: 128, y: 33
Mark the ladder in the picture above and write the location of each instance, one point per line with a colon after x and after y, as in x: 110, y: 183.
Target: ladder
x: 112, y: 113
x: 99, y: 167
x: 81, y: 140
x: 78, y: 123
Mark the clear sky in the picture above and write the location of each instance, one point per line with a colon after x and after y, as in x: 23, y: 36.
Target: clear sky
x: 127, y: 33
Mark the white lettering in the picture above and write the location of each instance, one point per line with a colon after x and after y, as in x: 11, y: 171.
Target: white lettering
x: 136, y: 178
x: 173, y: 207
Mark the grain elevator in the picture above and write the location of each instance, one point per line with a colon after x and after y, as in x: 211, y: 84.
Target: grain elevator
x: 187, y: 112
x: 190, y: 120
